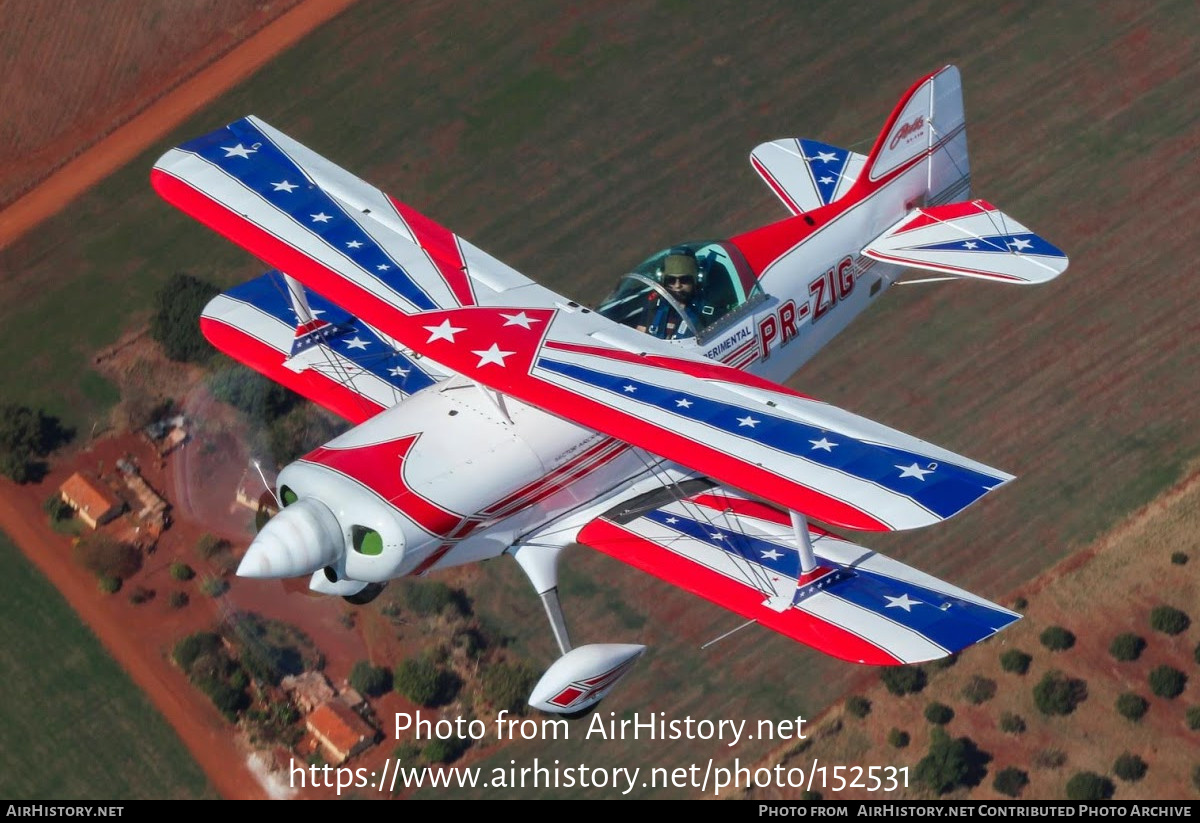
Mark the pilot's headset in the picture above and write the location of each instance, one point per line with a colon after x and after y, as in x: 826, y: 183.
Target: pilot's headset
x: 681, y: 262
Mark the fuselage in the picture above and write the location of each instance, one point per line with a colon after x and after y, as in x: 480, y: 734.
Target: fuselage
x: 457, y: 473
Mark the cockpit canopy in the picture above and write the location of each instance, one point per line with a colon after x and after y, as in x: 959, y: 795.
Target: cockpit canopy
x: 650, y: 298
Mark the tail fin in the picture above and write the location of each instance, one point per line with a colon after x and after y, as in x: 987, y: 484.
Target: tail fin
x: 928, y: 125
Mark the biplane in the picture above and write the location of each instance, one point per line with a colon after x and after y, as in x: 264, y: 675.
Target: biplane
x: 494, y: 416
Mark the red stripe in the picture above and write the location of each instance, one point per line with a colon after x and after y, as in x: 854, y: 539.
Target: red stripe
x: 942, y: 214
x: 720, y: 501
x: 923, y: 264
x: 557, y: 480
x: 442, y: 247
x: 648, y: 556
x: 310, y: 383
x: 791, y: 204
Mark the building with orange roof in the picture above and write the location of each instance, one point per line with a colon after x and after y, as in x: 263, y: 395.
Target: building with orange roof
x: 341, y: 732
x: 92, y: 500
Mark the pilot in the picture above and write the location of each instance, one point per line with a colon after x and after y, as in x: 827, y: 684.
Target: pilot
x: 679, y: 276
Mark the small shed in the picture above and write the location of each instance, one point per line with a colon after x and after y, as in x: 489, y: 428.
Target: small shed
x: 342, y: 733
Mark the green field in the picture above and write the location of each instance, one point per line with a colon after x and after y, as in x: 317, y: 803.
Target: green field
x: 75, y: 726
x: 572, y: 141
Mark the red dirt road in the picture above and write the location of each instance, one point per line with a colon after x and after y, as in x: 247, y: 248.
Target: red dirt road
x: 118, y: 148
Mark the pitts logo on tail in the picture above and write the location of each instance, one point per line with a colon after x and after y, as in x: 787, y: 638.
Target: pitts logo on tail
x: 494, y: 416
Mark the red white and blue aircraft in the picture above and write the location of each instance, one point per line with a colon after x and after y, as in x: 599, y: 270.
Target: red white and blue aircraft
x: 494, y: 416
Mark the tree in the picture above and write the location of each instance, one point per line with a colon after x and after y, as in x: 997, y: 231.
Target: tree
x: 57, y: 508
x: 858, y: 706
x: 182, y: 571
x: 939, y: 713
x: 105, y: 556
x: 188, y: 650
x: 1169, y: 620
x: 1015, y: 661
x: 1089, y: 786
x: 177, y: 600
x: 1057, y: 639
x: 1167, y: 681
x: 429, y: 599
x: 1179, y: 558
x: 1011, y: 723
x: 979, y: 690
x: 1127, y: 647
x: 1010, y: 781
x: 898, y: 738
x: 445, y: 751
x: 176, y: 321
x: 1059, y: 694
x: 1132, y: 706
x: 425, y: 683
x: 1130, y: 767
x: 950, y: 763
x: 507, y: 686
x: 26, y: 435
x: 370, y: 680
x: 902, y: 680
x: 1193, y: 718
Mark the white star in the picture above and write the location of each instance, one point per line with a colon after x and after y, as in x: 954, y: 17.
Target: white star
x: 238, y: 151
x: 824, y: 444
x: 683, y: 403
x: 396, y: 371
x: 317, y: 312
x: 382, y: 267
x: 354, y: 244
x: 901, y: 602
x: 748, y: 421
x: 716, y: 536
x: 284, y: 185
x: 491, y: 355
x: 970, y: 244
x: 772, y: 555
x: 672, y: 520
x: 1019, y: 243
x: 825, y: 156
x: 321, y: 217
x: 356, y: 343
x: 443, y: 332
x: 914, y: 471
x: 630, y: 388
x: 519, y: 319
x: 826, y: 180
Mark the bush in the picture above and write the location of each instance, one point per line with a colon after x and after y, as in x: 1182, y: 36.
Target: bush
x: 106, y: 556
x: 1010, y: 781
x: 858, y: 706
x: 902, y: 680
x: 425, y: 683
x: 109, y: 584
x: 140, y: 595
x: 1126, y: 647
x: 939, y: 713
x: 943, y: 663
x: 209, y: 546
x: 1132, y: 706
x: 1089, y: 786
x: 57, y: 508
x: 214, y: 586
x: 445, y: 751
x: 429, y: 599
x: 177, y: 600
x: 182, y: 571
x: 1020, y: 604
x: 1059, y: 694
x: 950, y: 763
x: 1193, y: 718
x: 507, y: 686
x: 1179, y: 558
x: 1196, y: 653
x: 1050, y: 759
x: 1011, y: 723
x: 177, y: 305
x: 1015, y: 661
x: 370, y: 680
x: 1169, y: 620
x: 979, y: 690
x: 1057, y: 639
x: 1130, y: 768
x: 898, y: 739
x: 1167, y: 681
x: 26, y: 435
x: 192, y: 647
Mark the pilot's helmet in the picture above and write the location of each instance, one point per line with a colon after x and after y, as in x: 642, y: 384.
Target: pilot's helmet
x: 679, y: 265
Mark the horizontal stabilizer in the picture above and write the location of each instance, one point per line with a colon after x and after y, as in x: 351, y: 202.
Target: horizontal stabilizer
x: 337, y: 361
x: 741, y: 554
x: 805, y: 174
x: 970, y: 239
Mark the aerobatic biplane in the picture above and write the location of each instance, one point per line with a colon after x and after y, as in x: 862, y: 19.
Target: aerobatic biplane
x: 494, y: 416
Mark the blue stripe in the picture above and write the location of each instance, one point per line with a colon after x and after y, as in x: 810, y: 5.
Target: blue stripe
x: 945, y: 490
x: 950, y: 622
x: 268, y: 293
x: 268, y: 166
x: 994, y: 243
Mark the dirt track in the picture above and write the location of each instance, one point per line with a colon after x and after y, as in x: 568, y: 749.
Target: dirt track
x: 118, y: 148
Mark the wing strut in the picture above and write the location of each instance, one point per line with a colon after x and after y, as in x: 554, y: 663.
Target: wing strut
x: 779, y: 601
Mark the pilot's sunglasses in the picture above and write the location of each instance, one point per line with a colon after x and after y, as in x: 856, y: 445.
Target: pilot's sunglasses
x: 671, y: 280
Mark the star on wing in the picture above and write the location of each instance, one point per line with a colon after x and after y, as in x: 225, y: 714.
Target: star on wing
x: 914, y: 471
x: 239, y: 151
x: 520, y: 319
x: 284, y: 185
x: 902, y: 602
x: 445, y: 331
x: 491, y: 355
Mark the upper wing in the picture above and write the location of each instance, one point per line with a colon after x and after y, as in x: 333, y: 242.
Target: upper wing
x: 856, y: 605
x: 805, y: 174
x: 971, y: 239
x: 445, y: 299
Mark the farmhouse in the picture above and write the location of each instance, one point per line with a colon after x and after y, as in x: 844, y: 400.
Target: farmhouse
x: 93, y: 501
x: 342, y: 733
